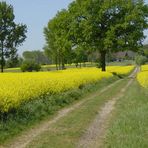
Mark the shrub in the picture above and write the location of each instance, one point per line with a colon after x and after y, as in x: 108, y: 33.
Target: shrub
x: 30, y: 66
x: 141, y: 60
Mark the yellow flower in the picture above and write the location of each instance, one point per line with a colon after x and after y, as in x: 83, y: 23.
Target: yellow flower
x: 143, y: 76
x: 16, y: 88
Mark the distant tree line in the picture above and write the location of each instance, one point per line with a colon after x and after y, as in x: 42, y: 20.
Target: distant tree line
x: 95, y: 26
x: 36, y: 56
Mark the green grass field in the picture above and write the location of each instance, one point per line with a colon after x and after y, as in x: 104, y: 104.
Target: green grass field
x: 129, y: 124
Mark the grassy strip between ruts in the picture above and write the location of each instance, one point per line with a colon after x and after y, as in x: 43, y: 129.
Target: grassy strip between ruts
x: 67, y: 132
x: 129, y: 124
x: 35, y: 111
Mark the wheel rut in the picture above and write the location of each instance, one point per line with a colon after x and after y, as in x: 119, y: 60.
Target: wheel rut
x: 95, y: 134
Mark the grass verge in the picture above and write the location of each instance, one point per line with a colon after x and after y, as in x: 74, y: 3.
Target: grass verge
x: 129, y: 124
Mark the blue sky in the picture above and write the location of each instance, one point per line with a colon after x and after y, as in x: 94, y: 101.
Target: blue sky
x: 36, y: 14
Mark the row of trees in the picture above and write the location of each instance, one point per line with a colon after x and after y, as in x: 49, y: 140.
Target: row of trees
x: 13, y: 35
x: 92, y: 26
x: 82, y: 32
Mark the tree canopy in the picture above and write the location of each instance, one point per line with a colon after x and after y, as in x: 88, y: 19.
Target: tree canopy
x: 98, y: 25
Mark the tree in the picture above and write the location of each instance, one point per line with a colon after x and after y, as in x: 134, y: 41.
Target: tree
x: 49, y: 49
x: 140, y: 60
x: 109, y: 26
x: 11, y: 34
x: 58, y: 38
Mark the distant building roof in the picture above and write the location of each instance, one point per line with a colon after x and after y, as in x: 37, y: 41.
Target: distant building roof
x: 123, y: 54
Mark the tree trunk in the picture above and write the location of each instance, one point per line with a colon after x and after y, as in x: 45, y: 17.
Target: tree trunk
x: 56, y: 65
x: 103, y: 64
x: 2, y: 58
x: 62, y: 62
x: 63, y: 65
x: 84, y: 64
x: 80, y: 64
x: 59, y: 60
x: 56, y: 62
x: 59, y: 65
x: 76, y: 65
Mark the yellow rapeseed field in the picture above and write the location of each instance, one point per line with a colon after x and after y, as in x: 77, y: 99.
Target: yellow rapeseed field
x: 143, y: 76
x: 16, y: 88
x: 144, y: 68
x: 122, y: 70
